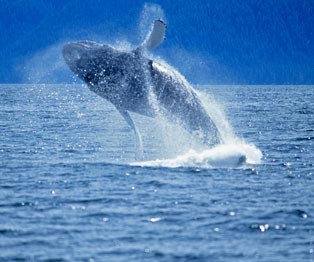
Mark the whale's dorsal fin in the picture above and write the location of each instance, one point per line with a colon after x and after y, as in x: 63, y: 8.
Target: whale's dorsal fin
x: 156, y: 36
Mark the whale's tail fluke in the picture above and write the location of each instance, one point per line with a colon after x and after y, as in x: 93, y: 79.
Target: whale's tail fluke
x: 156, y: 36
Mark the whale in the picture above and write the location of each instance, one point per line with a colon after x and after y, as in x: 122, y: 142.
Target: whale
x: 134, y: 82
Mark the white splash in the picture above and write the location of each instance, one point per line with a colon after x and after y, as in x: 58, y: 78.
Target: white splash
x: 233, y: 152
x: 217, y: 114
x: 182, y: 150
x: 150, y: 12
x: 221, y: 156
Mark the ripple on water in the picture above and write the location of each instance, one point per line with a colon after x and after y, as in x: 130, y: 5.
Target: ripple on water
x: 69, y: 193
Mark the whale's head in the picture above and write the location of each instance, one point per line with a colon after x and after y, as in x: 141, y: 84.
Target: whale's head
x: 92, y: 62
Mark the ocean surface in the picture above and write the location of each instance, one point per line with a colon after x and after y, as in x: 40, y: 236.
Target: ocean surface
x: 73, y: 187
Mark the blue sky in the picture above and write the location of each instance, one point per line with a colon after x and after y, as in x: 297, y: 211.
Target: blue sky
x: 209, y: 41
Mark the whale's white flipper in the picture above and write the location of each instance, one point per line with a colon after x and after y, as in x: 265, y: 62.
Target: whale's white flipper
x: 156, y: 36
x: 138, y: 141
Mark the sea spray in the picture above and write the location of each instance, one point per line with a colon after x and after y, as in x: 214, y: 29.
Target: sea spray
x: 185, y: 149
x: 221, y: 156
x: 217, y: 114
x: 233, y: 152
x: 167, y: 128
x: 176, y: 140
x: 150, y: 12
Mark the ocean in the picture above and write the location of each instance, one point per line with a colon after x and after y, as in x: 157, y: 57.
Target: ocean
x: 73, y: 188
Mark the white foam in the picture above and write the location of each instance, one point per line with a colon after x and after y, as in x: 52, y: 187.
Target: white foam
x: 221, y: 156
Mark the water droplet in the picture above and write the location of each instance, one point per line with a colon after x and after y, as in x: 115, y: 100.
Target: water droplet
x: 302, y: 214
x: 154, y: 219
x: 287, y: 164
x: 264, y: 228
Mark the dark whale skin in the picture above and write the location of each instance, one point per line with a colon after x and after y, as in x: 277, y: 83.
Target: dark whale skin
x: 129, y: 80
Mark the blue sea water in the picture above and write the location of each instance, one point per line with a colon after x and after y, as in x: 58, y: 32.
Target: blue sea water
x: 71, y: 188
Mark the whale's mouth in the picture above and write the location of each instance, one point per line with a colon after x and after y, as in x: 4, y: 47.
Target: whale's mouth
x: 73, y: 52
x: 87, y: 44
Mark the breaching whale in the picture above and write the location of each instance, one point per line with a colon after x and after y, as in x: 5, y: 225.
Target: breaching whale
x: 127, y: 78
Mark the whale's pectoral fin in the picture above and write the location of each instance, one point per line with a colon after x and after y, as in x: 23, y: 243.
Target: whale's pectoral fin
x: 156, y: 36
x: 138, y: 141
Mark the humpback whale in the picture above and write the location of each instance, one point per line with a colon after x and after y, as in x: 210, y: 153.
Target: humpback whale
x: 128, y: 79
